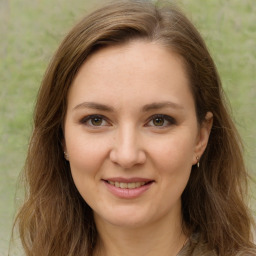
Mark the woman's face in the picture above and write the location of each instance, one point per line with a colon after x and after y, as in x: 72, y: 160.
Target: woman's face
x: 131, y: 133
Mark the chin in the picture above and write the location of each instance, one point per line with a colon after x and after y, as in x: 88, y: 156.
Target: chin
x: 126, y: 218
x: 128, y: 223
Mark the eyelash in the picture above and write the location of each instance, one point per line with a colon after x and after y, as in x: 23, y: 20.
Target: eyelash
x: 170, y: 120
x: 89, y: 118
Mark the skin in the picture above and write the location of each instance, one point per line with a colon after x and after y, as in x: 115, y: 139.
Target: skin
x: 134, y: 82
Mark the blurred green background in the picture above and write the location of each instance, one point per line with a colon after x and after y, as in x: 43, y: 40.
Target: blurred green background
x: 30, y: 32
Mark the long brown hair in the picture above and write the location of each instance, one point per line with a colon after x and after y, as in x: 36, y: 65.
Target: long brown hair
x: 55, y: 220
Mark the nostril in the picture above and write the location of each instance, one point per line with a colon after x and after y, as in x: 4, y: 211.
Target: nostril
x: 127, y: 158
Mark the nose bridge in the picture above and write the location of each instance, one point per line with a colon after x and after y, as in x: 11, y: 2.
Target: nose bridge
x: 127, y: 150
x: 127, y: 140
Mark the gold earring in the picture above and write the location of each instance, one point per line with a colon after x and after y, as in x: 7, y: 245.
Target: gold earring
x: 198, y: 161
x: 66, y: 155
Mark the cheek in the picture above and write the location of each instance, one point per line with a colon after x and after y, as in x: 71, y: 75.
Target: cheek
x: 173, y: 158
x: 86, y: 154
x: 174, y: 152
x: 86, y: 158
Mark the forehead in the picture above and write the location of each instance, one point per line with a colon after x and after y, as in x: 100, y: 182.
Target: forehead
x: 137, y: 71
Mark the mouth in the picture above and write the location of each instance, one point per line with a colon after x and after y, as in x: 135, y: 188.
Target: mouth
x: 128, y: 185
x: 128, y: 188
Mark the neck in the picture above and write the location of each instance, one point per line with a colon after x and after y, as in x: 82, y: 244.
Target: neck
x: 165, y: 238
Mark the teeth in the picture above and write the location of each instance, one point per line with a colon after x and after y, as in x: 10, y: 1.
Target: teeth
x: 139, y: 184
x: 123, y: 185
x: 131, y: 185
x: 127, y: 185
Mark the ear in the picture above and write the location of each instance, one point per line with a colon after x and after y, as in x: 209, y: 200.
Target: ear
x: 203, y: 136
x: 65, y: 150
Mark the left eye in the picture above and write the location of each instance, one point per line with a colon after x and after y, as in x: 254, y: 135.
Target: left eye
x: 94, y: 121
x: 161, y: 121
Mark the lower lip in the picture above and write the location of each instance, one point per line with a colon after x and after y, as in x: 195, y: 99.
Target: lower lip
x: 128, y: 193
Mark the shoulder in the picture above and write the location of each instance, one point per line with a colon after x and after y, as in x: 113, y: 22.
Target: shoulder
x: 195, y: 248
x: 200, y: 248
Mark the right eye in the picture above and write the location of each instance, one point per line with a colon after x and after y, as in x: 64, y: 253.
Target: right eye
x: 95, y: 121
x: 161, y: 121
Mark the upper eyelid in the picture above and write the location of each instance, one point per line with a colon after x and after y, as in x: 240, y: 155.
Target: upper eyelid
x: 88, y: 117
x: 163, y: 116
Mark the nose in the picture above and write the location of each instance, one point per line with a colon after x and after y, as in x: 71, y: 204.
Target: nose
x: 127, y: 151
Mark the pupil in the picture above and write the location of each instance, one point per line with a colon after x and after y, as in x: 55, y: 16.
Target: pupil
x: 158, y: 121
x: 97, y: 121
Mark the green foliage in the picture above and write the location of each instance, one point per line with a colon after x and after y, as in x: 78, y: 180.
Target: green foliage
x: 229, y: 28
x: 30, y: 32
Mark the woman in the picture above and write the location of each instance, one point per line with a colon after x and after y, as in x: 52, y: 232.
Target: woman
x: 133, y: 151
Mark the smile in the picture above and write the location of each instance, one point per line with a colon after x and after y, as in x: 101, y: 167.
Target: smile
x: 128, y: 188
x: 129, y: 185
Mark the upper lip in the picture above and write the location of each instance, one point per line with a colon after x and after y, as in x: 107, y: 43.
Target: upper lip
x: 128, y: 180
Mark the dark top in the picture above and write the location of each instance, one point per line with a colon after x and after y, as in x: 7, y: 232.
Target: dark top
x: 195, y: 248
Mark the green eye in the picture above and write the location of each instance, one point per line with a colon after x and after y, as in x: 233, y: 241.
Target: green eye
x: 161, y: 121
x: 96, y: 121
x: 158, y: 121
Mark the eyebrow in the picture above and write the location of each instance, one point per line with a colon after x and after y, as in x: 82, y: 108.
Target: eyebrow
x: 146, y: 108
x: 159, y: 105
x: 94, y: 105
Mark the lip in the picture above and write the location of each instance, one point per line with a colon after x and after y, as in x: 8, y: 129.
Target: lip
x: 128, y: 180
x: 128, y: 193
